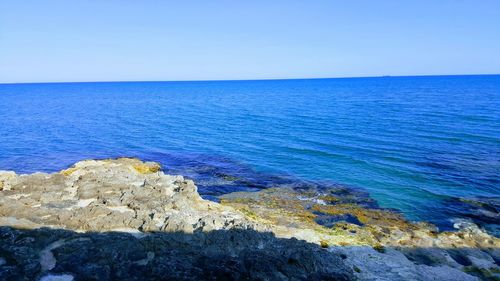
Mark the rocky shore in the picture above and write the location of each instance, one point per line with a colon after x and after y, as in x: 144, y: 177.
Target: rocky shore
x: 124, y: 219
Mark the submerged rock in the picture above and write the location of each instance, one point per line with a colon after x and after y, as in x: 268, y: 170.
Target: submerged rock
x: 125, y: 219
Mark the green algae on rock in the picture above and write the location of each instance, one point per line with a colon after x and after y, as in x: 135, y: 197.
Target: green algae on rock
x: 292, y: 212
x: 295, y: 210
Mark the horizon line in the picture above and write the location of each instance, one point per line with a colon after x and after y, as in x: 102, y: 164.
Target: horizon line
x: 242, y: 80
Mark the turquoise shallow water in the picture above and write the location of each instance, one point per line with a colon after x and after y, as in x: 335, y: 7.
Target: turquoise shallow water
x: 426, y: 146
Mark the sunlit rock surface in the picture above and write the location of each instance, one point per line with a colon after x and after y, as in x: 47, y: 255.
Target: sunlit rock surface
x: 122, y: 194
x: 125, y: 219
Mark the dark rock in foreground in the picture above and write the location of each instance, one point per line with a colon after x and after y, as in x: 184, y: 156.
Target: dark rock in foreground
x: 217, y: 255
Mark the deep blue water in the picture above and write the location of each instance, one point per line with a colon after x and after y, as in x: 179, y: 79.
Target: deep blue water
x: 416, y: 144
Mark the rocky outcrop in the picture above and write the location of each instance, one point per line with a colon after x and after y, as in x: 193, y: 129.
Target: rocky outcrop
x: 122, y: 194
x: 124, y: 219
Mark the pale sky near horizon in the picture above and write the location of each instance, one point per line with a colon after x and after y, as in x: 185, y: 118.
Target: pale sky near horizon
x: 111, y: 40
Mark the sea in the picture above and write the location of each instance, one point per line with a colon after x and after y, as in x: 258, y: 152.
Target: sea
x: 425, y: 146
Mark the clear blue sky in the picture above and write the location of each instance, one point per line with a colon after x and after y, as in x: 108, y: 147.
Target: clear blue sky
x: 106, y: 40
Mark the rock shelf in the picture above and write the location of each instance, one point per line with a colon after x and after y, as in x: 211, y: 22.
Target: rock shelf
x: 124, y: 219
